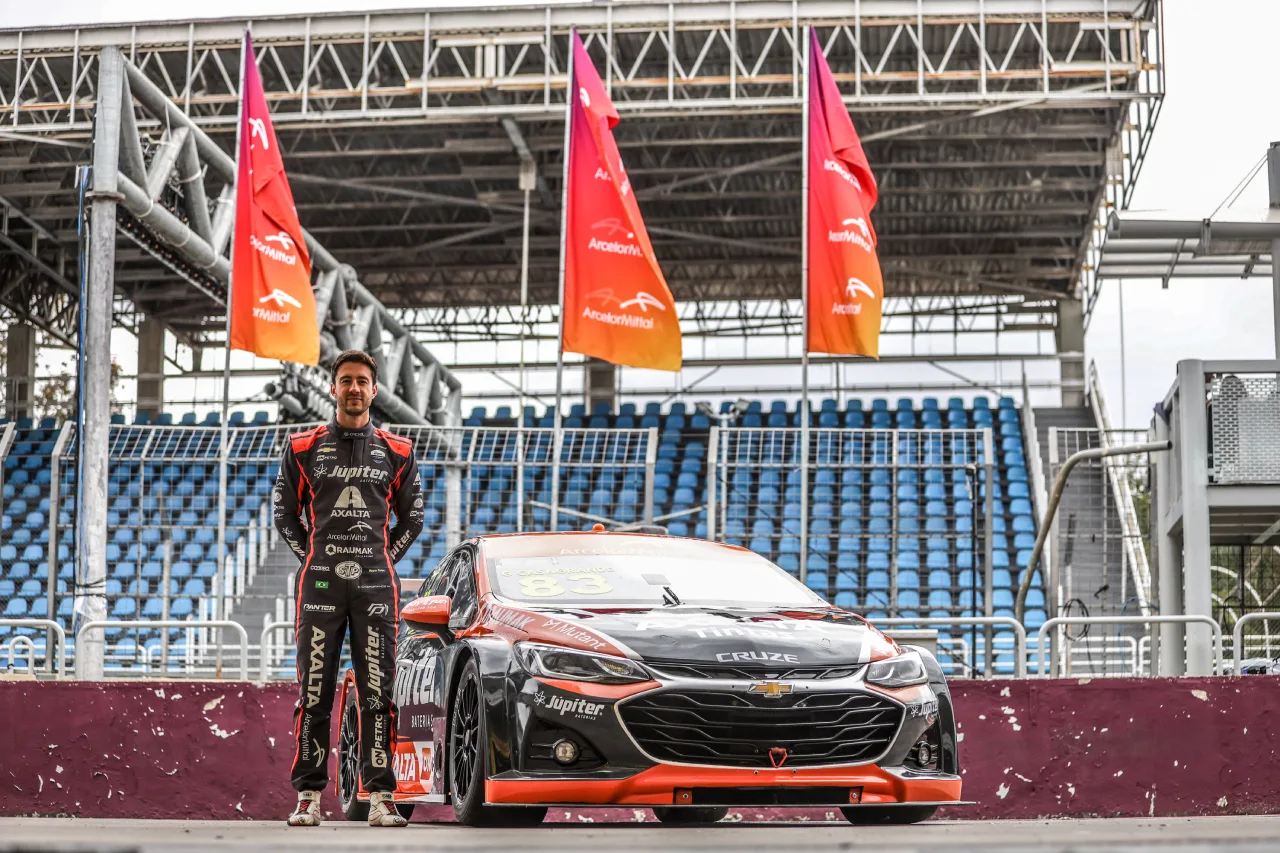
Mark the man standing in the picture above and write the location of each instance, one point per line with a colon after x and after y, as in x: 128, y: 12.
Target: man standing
x: 345, y: 479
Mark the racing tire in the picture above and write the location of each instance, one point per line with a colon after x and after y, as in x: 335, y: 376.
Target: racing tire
x: 468, y: 761
x: 349, y: 766
x: 689, y: 817
x: 889, y: 816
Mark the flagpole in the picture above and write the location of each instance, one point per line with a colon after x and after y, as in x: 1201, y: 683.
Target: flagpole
x: 223, y: 450
x: 564, y: 250
x: 524, y: 317
x: 804, y: 289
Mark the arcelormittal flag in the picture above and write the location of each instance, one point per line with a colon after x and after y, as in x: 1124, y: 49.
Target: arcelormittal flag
x: 273, y: 310
x: 845, y: 288
x: 616, y: 302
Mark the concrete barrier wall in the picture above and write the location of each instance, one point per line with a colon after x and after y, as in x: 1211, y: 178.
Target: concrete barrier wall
x: 1030, y: 749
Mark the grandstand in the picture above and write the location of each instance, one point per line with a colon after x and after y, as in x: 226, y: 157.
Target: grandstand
x: 1001, y: 138
x: 898, y: 506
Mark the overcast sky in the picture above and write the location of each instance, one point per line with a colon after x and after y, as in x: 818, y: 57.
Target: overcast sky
x: 1221, y: 64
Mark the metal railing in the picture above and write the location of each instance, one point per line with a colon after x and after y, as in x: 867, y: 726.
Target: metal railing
x: 1019, y: 633
x: 103, y: 624
x: 1056, y: 621
x: 266, y: 651
x: 48, y: 625
x: 1237, y: 635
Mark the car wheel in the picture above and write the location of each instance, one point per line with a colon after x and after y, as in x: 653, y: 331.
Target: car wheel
x: 349, y: 762
x: 688, y: 817
x: 888, y: 816
x: 468, y: 758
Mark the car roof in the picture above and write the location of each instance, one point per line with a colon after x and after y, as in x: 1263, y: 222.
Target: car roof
x: 547, y: 543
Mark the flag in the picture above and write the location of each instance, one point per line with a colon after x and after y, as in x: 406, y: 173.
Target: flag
x: 617, y: 306
x: 845, y: 290
x: 273, y: 310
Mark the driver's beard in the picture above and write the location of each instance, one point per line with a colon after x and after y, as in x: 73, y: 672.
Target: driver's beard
x: 354, y: 409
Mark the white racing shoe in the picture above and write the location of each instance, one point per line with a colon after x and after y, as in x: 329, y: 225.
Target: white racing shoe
x: 308, y: 811
x: 382, y: 810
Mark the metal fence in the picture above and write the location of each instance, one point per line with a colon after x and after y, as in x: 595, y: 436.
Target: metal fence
x: 1244, y: 428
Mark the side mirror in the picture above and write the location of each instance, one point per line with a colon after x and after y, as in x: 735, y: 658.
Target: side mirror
x: 432, y: 611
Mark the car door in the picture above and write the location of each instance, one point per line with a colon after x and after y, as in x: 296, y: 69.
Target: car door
x: 419, y: 696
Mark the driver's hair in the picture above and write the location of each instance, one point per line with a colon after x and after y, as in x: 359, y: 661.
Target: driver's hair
x: 355, y: 356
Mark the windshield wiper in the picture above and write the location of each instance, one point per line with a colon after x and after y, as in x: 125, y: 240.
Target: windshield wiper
x: 669, y: 597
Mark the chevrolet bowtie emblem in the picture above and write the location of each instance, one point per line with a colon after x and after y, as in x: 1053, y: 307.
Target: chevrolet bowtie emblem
x: 770, y: 689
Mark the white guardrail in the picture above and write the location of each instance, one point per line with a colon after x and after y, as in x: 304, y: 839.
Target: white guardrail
x: 47, y: 624
x: 100, y: 624
x: 266, y: 653
x: 1123, y: 620
x: 1237, y: 636
x: 1019, y: 632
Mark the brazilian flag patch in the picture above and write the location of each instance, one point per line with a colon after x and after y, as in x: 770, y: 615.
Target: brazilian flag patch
x: 322, y: 584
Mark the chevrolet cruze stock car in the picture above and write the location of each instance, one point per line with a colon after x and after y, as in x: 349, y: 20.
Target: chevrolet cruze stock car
x: 616, y: 669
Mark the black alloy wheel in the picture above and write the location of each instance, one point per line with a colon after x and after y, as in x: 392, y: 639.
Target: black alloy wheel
x: 349, y: 761
x: 468, y: 762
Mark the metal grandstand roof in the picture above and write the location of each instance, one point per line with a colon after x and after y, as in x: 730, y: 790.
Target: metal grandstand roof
x: 1000, y: 131
x: 1163, y: 245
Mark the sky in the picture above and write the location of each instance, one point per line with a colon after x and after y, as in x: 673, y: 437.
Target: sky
x: 1220, y: 64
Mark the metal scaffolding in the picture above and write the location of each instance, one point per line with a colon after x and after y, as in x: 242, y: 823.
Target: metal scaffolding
x: 1002, y: 131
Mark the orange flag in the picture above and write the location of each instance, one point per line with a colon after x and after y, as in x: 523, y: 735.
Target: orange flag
x: 616, y: 302
x: 273, y: 310
x: 846, y: 291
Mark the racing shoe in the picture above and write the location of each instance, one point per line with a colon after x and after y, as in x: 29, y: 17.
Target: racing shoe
x: 382, y: 810
x: 308, y: 811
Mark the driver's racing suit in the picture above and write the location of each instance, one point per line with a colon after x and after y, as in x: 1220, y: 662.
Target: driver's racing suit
x: 346, y: 484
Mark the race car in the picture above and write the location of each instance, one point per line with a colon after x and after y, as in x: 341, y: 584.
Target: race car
x: 617, y: 669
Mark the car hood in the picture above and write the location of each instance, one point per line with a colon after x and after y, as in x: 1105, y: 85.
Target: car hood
x: 735, y: 638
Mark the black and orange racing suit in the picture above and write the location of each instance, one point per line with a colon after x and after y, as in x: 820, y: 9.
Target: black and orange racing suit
x: 346, y: 484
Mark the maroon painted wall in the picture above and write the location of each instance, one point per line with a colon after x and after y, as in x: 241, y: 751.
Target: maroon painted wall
x: 1030, y: 749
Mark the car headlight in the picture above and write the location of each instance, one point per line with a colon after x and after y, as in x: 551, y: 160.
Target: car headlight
x: 905, y: 670
x: 572, y: 665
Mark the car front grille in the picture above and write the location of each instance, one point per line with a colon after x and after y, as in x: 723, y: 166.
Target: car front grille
x: 733, y: 728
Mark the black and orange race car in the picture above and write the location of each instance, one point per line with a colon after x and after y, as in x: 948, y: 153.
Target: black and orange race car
x: 617, y: 669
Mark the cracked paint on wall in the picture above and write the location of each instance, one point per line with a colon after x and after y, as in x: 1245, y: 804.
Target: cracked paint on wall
x: 1034, y: 748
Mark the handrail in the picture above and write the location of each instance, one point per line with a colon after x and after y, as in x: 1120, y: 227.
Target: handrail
x: 1059, y: 484
x: 1035, y: 461
x: 1020, y: 632
x: 11, y: 649
x: 268, y: 629
x: 47, y: 624
x: 1123, y: 620
x: 1237, y: 635
x: 1131, y: 532
x: 97, y: 624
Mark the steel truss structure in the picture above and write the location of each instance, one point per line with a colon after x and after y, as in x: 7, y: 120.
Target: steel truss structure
x: 1002, y: 132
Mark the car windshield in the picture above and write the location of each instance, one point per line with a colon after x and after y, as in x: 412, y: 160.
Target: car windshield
x: 645, y: 572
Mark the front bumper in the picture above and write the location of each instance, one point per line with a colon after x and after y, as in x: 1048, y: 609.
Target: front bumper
x: 710, y: 786
x: 625, y: 773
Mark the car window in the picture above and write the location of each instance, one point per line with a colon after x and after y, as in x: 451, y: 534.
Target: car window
x: 462, y: 589
x: 436, y: 582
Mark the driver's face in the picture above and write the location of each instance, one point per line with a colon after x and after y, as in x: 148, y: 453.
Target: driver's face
x: 354, y: 389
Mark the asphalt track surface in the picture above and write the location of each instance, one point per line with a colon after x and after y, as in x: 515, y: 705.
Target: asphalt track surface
x: 1185, y: 835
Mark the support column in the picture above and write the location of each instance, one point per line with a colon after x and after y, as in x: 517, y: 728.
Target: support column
x: 150, y: 367
x: 1069, y: 339
x: 1273, y: 175
x: 95, y: 364
x: 600, y: 384
x: 1193, y: 460
x: 20, y: 365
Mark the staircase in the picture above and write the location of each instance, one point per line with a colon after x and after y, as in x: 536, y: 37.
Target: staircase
x: 269, y: 590
x: 1088, y: 547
